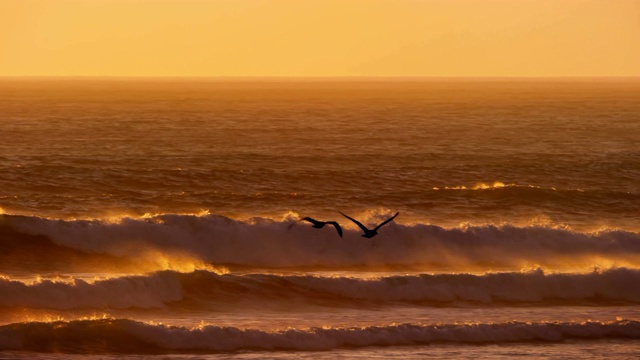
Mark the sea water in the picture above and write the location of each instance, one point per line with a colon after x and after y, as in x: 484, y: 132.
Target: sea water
x: 161, y: 218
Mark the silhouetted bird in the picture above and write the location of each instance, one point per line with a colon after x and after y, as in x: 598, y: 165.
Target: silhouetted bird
x: 320, y: 224
x: 370, y: 233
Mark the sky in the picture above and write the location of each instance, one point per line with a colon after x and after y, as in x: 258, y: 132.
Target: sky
x: 325, y: 38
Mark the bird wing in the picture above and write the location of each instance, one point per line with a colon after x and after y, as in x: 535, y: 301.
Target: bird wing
x: 337, y: 226
x: 313, y: 221
x: 356, y: 222
x: 386, y: 221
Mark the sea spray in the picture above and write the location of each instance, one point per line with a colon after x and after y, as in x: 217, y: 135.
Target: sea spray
x: 187, y: 241
x: 206, y: 290
x: 128, y: 336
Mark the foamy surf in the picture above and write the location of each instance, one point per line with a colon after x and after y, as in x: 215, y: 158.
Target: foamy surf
x: 187, y: 241
x: 203, y: 290
x: 128, y: 336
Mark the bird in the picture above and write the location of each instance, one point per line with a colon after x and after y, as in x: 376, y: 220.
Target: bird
x: 320, y: 224
x: 370, y: 233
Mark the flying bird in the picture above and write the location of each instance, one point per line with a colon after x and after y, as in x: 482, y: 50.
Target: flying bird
x: 320, y: 224
x: 370, y: 233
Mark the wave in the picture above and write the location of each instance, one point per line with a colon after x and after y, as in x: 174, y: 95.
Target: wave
x: 533, y: 287
x: 524, y: 188
x: 152, y: 291
x: 489, y: 197
x: 526, y: 191
x: 203, y: 290
x: 34, y: 253
x: 190, y: 240
x: 128, y: 336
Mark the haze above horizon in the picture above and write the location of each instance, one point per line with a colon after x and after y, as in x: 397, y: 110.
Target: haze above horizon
x: 321, y: 38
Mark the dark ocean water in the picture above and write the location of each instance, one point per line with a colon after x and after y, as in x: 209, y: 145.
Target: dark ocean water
x: 156, y: 217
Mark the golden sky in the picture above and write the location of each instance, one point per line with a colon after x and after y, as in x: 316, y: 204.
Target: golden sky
x: 320, y: 37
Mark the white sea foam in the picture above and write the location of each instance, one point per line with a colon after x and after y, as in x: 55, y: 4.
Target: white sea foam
x: 151, y: 291
x: 111, y: 335
x: 164, y: 288
x: 269, y: 243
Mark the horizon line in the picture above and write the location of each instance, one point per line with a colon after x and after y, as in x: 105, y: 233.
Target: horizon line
x: 316, y: 78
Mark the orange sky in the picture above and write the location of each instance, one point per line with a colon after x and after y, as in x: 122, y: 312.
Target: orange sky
x: 320, y: 37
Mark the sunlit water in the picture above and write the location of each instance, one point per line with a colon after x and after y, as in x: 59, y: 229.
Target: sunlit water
x: 132, y: 206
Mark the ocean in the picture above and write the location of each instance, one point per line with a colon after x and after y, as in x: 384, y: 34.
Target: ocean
x: 158, y: 218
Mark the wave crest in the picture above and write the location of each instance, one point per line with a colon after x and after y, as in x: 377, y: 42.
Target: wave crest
x: 128, y: 336
x: 268, y: 243
x: 151, y: 291
x: 202, y: 290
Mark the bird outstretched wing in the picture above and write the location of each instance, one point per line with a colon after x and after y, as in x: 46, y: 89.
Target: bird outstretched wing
x: 337, y: 226
x: 356, y: 222
x: 313, y: 221
x: 386, y: 221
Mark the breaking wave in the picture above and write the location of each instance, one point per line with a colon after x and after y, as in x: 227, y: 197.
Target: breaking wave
x: 205, y: 290
x: 268, y: 243
x: 128, y: 336
x: 151, y: 291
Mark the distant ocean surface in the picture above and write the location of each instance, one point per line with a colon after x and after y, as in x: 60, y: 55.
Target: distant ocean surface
x: 160, y: 218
